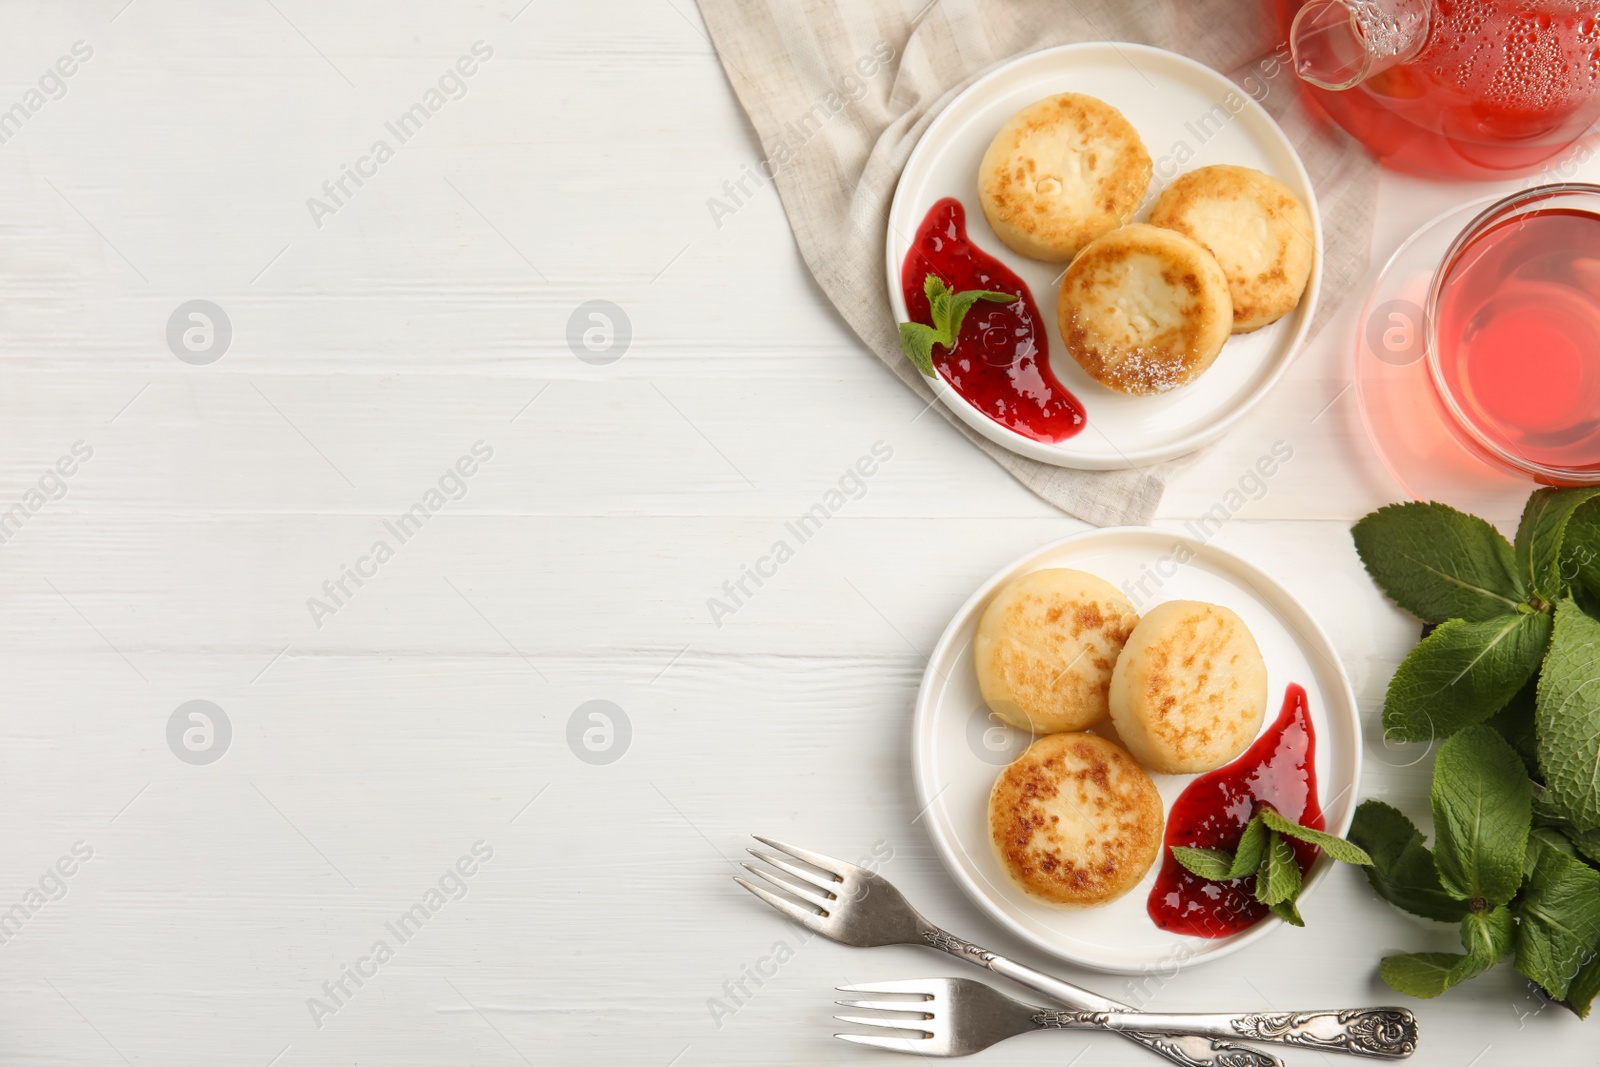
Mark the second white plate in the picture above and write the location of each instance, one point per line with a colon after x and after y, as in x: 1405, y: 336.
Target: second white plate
x: 1188, y: 116
x: 958, y: 748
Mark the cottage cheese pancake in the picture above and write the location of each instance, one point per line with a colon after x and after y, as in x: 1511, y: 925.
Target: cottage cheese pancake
x: 1259, y: 233
x: 1075, y: 821
x: 1060, y: 173
x: 1189, y: 691
x: 1045, y: 648
x: 1144, y: 310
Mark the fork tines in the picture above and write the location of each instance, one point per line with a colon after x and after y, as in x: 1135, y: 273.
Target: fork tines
x: 913, y: 1045
x: 906, y: 1016
x: 809, y: 888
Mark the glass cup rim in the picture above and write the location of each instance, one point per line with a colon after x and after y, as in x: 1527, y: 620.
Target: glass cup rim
x: 1490, y: 215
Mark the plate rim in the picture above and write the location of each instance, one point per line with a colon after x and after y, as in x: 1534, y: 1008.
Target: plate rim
x: 928, y: 797
x: 1051, y: 453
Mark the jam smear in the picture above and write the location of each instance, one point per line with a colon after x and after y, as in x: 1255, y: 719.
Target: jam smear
x: 1280, y: 770
x: 1001, y: 360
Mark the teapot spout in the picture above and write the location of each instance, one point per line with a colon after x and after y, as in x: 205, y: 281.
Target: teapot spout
x: 1338, y: 44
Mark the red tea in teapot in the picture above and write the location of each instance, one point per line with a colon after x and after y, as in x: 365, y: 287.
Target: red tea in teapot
x: 1464, y: 88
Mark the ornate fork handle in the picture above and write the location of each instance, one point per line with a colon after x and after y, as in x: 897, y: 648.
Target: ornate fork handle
x: 1182, y: 1046
x: 1385, y: 1032
x: 1388, y: 1032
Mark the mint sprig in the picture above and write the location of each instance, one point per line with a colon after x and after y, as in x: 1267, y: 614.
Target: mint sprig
x: 1264, y: 851
x: 948, y: 309
x: 1509, y: 680
x: 1482, y: 808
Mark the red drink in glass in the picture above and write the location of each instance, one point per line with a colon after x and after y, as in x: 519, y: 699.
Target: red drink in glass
x: 1514, y: 334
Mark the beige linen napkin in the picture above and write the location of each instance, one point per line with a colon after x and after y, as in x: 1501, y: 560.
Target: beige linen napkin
x: 839, y: 92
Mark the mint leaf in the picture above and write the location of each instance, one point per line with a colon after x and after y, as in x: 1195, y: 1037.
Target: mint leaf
x: 1337, y: 847
x: 1540, y: 839
x: 1208, y: 863
x: 1560, y: 921
x: 1421, y: 974
x: 1587, y: 843
x: 1278, y: 877
x: 938, y: 294
x: 948, y: 309
x: 1439, y: 563
x: 1580, y: 551
x: 961, y: 303
x: 1482, y: 811
x: 1514, y: 722
x: 1462, y: 673
x: 1486, y: 935
x: 1584, y: 987
x: 1567, y: 719
x: 1220, y: 865
x: 1252, y: 846
x: 1286, y: 911
x: 917, y: 341
x: 1540, y: 536
x: 1402, y: 870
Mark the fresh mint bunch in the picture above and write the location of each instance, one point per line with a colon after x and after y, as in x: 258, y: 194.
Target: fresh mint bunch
x: 1264, y: 851
x: 1492, y: 602
x: 948, y: 309
x: 1509, y: 679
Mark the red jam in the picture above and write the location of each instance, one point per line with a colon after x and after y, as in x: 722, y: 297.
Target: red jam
x: 1001, y: 361
x: 1279, y: 769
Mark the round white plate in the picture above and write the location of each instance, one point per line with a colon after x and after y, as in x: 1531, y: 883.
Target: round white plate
x: 959, y: 748
x: 1188, y: 116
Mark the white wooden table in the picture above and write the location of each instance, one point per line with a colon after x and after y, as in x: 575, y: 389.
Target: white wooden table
x: 426, y: 711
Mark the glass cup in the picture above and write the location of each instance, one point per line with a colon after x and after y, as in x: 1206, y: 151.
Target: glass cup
x: 1512, y: 334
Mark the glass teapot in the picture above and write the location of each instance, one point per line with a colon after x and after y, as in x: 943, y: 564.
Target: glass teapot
x: 1453, y: 88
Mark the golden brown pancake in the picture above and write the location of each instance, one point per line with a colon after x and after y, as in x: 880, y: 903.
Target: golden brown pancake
x: 1075, y: 820
x: 1144, y: 310
x: 1189, y: 691
x: 1061, y: 172
x: 1257, y: 230
x: 1045, y: 648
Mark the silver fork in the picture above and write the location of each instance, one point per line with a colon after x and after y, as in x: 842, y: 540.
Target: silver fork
x: 958, y: 1016
x: 858, y: 907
